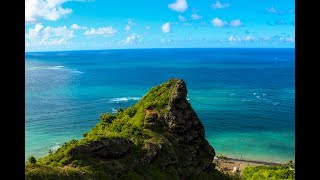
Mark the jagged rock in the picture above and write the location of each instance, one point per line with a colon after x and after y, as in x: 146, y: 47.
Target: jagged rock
x: 104, y: 148
x: 152, y: 149
x: 161, y: 133
x: 150, y: 117
x: 182, y: 119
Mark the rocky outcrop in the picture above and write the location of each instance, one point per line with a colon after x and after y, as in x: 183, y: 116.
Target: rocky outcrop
x: 183, y: 122
x: 182, y: 119
x: 161, y: 137
x: 107, y: 148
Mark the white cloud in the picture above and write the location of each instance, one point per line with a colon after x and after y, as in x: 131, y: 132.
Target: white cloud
x: 290, y: 39
x: 40, y: 35
x: 131, y: 22
x: 34, y: 32
x: 49, y: 10
x: 132, y: 39
x: 266, y: 38
x: 165, y: 40
x: 195, y: 16
x: 287, y: 39
x: 235, y: 23
x: 219, y: 5
x: 179, y: 5
x: 101, y: 31
x: 221, y: 23
x: 148, y: 27
x: 241, y: 38
x: 249, y: 38
x: 232, y: 38
x: 218, y: 22
x: 181, y: 18
x: 75, y: 27
x: 166, y: 27
x: 127, y: 28
x: 272, y: 10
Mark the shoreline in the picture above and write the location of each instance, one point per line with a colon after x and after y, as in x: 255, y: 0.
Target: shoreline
x: 228, y: 164
x: 250, y: 161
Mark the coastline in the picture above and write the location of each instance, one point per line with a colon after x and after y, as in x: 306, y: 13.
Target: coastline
x: 250, y: 161
x: 228, y: 164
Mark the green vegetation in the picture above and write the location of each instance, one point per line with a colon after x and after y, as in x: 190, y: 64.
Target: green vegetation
x: 42, y: 172
x: 152, y: 154
x: 234, y: 176
x: 279, y: 172
x: 262, y: 172
x: 271, y: 172
x: 222, y: 157
x: 32, y: 160
x: 129, y: 123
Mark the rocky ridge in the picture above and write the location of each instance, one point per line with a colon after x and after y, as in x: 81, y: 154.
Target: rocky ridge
x: 161, y: 137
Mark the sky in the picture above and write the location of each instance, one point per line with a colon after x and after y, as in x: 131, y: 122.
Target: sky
x: 55, y: 25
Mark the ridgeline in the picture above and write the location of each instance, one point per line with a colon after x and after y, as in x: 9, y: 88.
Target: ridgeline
x: 160, y: 137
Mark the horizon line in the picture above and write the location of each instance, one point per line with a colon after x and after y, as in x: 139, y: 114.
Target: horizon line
x: 161, y: 48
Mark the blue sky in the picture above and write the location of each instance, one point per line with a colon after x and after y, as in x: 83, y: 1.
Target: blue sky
x: 54, y: 25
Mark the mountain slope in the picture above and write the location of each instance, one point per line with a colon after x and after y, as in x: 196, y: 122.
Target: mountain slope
x: 160, y: 137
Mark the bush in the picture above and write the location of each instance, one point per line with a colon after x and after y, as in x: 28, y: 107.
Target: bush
x: 131, y: 111
x: 233, y: 176
x: 268, y: 172
x: 32, y: 160
x: 107, y: 118
x: 222, y: 157
x: 50, y: 151
x: 85, y: 134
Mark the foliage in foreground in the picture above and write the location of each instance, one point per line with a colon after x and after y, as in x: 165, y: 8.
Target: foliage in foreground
x: 279, y: 172
x: 273, y: 172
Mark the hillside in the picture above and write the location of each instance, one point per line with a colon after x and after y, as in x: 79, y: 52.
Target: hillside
x: 160, y: 137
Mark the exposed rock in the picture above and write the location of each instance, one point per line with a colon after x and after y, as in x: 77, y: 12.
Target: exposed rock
x: 163, y: 139
x: 182, y: 119
x: 150, y: 117
x: 152, y: 149
x: 104, y: 148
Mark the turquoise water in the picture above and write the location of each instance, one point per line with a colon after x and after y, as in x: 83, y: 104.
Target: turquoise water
x: 244, y: 97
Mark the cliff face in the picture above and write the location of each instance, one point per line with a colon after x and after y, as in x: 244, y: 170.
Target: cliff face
x: 160, y: 137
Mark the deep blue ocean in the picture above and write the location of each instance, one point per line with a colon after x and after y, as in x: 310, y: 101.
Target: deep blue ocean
x: 245, y: 98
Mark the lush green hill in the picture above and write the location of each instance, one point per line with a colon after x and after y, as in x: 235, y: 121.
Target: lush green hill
x: 160, y: 137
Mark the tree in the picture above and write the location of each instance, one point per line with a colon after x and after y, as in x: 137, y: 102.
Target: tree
x: 32, y: 160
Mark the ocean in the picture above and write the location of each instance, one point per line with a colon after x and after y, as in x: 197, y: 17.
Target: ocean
x: 245, y: 98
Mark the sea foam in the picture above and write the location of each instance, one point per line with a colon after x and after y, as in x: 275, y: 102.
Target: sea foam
x: 55, y: 147
x: 61, y: 68
x: 124, y: 99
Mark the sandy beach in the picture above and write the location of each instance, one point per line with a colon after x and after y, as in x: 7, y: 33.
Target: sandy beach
x: 230, y: 164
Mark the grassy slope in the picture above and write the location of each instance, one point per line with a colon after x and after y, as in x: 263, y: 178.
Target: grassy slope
x: 127, y: 123
x: 279, y: 172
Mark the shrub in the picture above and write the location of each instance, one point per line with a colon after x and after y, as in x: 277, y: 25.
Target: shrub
x: 32, y: 160
x: 107, y: 118
x: 131, y: 111
x: 222, y: 157
x: 85, y: 134
x: 50, y: 151
x: 268, y: 172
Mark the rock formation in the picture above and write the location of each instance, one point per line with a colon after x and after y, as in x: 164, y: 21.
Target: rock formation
x: 161, y: 137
